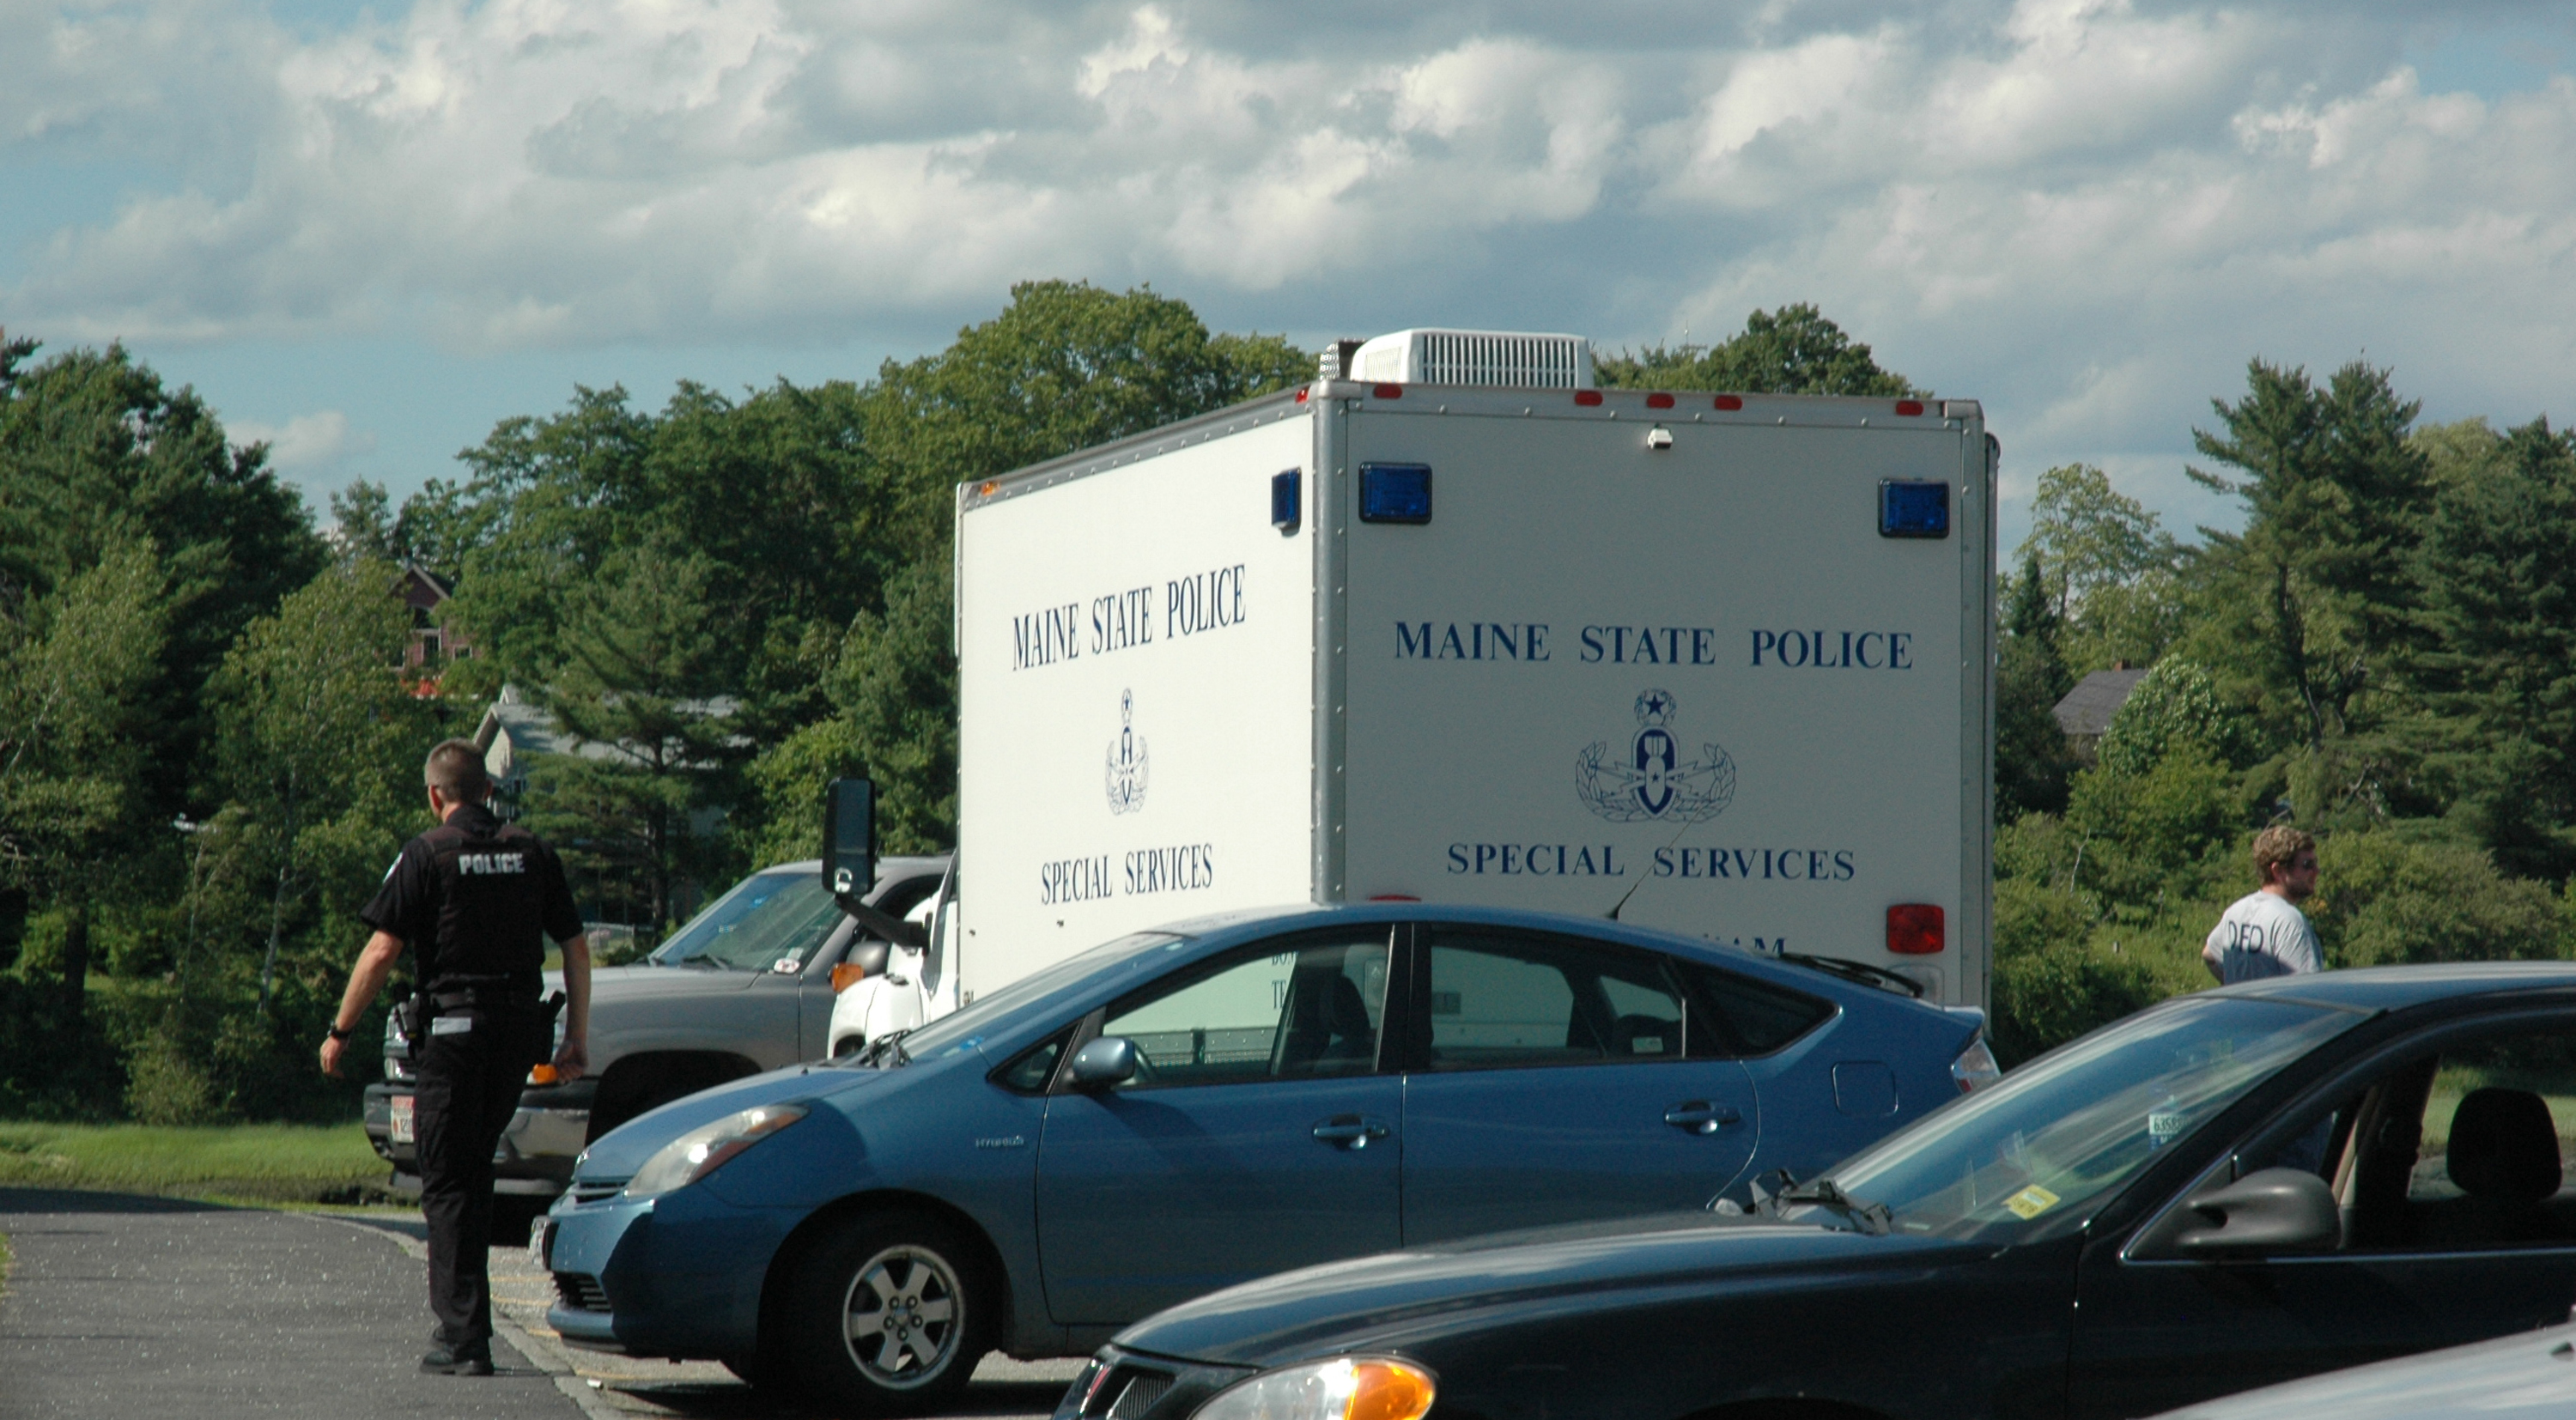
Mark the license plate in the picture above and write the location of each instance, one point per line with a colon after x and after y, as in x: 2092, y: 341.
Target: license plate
x: 402, y: 1119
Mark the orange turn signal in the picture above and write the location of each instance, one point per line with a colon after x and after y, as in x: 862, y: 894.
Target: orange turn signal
x: 543, y: 1075
x: 1389, y: 1390
x: 846, y: 975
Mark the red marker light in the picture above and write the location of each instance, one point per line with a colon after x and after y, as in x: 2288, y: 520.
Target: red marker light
x: 1659, y: 401
x: 1388, y: 391
x: 1301, y: 396
x: 1909, y: 406
x: 1914, y: 929
x: 1728, y: 401
x: 1587, y: 396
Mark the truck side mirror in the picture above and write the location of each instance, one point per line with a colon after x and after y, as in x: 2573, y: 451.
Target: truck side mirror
x: 1110, y: 1060
x: 2267, y: 1211
x: 849, y: 839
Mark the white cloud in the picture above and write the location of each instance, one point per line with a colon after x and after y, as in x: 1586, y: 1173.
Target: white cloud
x: 306, y: 445
x: 2088, y: 212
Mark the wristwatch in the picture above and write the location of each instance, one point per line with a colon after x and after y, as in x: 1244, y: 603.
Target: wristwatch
x: 337, y: 1034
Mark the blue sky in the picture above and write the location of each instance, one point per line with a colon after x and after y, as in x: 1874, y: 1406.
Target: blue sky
x: 367, y: 233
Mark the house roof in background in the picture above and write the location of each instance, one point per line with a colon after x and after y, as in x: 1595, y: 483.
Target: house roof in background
x: 2088, y: 708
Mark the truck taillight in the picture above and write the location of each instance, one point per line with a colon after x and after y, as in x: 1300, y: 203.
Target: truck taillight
x: 1909, y: 407
x: 1587, y: 397
x: 1728, y: 401
x: 1914, y: 929
x: 1975, y: 1068
x: 1659, y: 401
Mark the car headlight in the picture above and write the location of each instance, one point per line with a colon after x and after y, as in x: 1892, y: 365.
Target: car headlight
x: 705, y: 1149
x: 1343, y: 1388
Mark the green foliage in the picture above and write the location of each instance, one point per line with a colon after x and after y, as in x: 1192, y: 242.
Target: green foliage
x: 2050, y: 984
x: 315, y: 730
x: 894, y: 689
x: 641, y: 684
x: 2173, y: 705
x: 2307, y: 609
x: 2496, y: 670
x: 96, y: 455
x: 2382, y: 898
x: 2112, y: 574
x: 1793, y: 351
x: 2142, y: 830
x: 1066, y: 367
x: 2032, y: 755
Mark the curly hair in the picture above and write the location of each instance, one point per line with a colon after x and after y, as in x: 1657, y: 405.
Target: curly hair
x: 2279, y: 844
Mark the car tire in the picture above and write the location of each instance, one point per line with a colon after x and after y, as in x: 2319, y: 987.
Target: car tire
x: 887, y: 1316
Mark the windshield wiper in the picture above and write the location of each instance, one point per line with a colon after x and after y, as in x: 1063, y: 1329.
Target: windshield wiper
x: 1860, y: 971
x: 879, y: 1048
x: 1870, y: 1218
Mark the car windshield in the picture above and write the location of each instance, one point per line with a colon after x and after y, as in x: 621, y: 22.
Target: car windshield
x: 963, y: 1029
x: 767, y: 918
x: 2074, y: 1126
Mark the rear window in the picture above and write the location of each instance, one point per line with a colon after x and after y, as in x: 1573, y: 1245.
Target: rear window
x: 1755, y: 1017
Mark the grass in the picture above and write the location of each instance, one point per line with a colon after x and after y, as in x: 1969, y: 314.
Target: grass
x: 264, y: 1164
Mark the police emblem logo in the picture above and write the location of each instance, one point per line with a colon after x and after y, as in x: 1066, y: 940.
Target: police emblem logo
x: 1124, y: 773
x: 1652, y: 780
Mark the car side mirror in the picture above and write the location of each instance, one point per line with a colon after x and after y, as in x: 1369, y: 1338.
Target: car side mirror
x: 849, y: 839
x: 1110, y: 1060
x: 2270, y: 1210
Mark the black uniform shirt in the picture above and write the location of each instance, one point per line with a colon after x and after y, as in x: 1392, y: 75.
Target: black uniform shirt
x: 476, y: 900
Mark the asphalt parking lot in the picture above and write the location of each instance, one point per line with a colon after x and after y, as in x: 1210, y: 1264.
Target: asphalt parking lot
x: 120, y: 1306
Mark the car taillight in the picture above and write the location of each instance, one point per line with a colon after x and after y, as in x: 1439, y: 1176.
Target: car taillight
x: 1975, y: 1068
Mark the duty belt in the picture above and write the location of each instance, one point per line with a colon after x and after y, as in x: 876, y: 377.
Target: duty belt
x: 514, y: 1005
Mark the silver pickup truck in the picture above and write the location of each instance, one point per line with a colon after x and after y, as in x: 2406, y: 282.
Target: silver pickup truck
x: 746, y: 986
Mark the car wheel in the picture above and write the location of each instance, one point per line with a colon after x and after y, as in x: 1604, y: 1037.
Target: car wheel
x: 887, y: 1316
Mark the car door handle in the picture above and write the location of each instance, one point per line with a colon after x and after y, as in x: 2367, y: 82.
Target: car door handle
x: 1351, y: 1131
x: 1701, y: 1117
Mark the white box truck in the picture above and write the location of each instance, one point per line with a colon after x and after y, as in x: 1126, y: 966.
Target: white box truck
x: 1467, y: 629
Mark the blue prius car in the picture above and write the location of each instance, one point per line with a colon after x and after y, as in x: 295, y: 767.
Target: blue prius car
x: 1182, y: 1110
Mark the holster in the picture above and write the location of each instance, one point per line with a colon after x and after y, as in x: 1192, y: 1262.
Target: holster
x: 408, y: 1021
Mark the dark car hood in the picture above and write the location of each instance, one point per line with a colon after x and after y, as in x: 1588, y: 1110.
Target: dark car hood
x: 1398, y: 1297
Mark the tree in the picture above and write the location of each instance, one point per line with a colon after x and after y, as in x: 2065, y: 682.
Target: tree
x: 2315, y: 596
x: 363, y: 523
x: 319, y: 740
x: 642, y: 685
x: 2032, y: 756
x: 1794, y: 351
x: 894, y: 690
x: 73, y: 665
x: 95, y: 453
x: 2109, y: 569
x: 1066, y: 367
x: 2172, y: 706
x: 2496, y: 665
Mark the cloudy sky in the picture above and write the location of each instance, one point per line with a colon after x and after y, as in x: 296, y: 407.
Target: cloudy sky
x: 367, y: 232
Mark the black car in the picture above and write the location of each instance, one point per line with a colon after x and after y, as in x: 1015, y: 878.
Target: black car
x: 2229, y: 1190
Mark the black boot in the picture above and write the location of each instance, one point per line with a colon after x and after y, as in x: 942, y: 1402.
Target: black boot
x: 450, y: 1359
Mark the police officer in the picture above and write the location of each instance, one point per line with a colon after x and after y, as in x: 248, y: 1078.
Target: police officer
x: 475, y: 899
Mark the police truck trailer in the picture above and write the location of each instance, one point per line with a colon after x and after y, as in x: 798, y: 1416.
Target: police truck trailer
x: 1462, y: 627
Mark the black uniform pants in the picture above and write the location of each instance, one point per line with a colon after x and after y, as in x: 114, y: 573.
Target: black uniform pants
x: 475, y: 1064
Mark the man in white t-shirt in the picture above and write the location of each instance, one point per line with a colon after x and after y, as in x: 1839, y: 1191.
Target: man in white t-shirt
x: 2264, y: 933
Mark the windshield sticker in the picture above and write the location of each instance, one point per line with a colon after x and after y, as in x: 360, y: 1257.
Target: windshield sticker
x: 2031, y: 1202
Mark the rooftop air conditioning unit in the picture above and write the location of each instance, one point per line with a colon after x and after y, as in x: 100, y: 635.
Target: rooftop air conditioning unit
x: 1490, y: 358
